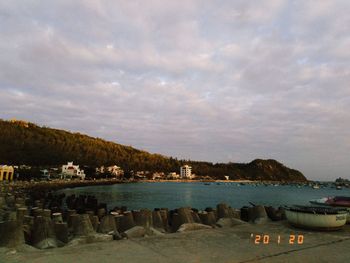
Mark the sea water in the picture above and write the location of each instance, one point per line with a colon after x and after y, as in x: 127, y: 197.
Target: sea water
x: 200, y: 195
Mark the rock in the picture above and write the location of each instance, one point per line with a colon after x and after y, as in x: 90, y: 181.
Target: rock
x: 117, y: 236
x: 260, y: 220
x: 47, y: 243
x: 99, y: 238
x: 192, y: 226
x: 229, y: 222
x: 156, y: 232
x: 135, y: 232
x: 89, y: 239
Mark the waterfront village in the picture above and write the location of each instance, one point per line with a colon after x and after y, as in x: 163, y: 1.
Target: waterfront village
x: 71, y: 171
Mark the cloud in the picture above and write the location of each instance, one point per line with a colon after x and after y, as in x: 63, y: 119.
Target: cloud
x: 217, y: 81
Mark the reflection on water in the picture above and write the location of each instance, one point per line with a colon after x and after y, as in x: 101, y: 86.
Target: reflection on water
x: 199, y: 195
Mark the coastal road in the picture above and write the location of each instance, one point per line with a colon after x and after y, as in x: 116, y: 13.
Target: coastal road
x: 271, y: 242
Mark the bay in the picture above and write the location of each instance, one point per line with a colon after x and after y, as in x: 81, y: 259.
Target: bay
x: 199, y: 195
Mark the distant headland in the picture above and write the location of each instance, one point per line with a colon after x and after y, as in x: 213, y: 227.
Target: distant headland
x: 25, y: 143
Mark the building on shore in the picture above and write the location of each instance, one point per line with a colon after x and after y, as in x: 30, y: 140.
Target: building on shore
x: 6, y: 173
x: 158, y: 176
x: 115, y: 171
x: 72, y: 171
x: 172, y: 176
x: 186, y: 172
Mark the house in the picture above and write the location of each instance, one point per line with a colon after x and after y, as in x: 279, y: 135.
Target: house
x: 157, y: 175
x: 115, y: 170
x: 172, y: 176
x: 6, y: 173
x: 72, y: 171
x: 186, y: 172
x: 45, y: 174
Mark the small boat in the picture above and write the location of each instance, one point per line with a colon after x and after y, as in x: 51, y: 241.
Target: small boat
x: 342, y: 201
x: 338, y: 187
x: 334, y: 201
x: 318, y: 218
x: 316, y: 186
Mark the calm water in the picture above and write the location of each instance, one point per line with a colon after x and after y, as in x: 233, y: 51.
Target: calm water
x: 198, y: 195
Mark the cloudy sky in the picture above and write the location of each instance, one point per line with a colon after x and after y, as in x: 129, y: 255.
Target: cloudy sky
x: 206, y: 80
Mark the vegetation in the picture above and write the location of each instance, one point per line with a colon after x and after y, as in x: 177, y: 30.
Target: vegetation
x: 27, y: 143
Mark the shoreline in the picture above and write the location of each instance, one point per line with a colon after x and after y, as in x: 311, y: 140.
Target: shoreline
x: 28, y: 187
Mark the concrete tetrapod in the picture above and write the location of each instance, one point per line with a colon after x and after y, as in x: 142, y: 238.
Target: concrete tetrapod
x: 107, y: 225
x: 11, y: 234
x: 185, y: 215
x: 61, y: 231
x: 81, y: 225
x: 143, y: 218
x: 223, y: 210
x: 126, y: 221
x: 157, y: 220
x: 257, y: 214
x: 207, y: 218
x: 21, y: 212
x: 43, y: 234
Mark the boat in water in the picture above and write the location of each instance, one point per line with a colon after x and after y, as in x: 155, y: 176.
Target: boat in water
x: 317, y: 218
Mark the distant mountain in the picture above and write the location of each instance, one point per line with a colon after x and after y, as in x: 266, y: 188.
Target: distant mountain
x: 26, y: 143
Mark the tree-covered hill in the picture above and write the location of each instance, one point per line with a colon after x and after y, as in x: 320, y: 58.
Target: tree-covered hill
x: 27, y: 143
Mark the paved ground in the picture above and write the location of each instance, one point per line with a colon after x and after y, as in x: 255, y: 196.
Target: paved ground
x: 217, y: 245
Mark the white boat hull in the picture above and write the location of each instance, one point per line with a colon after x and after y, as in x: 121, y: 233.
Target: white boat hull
x: 322, y: 202
x: 316, y: 221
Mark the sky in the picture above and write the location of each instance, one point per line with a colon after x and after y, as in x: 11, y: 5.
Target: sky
x: 219, y: 81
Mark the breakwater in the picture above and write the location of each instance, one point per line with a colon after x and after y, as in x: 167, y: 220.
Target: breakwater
x: 59, y: 220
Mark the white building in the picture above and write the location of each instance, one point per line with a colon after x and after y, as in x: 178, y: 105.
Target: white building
x: 172, y: 176
x: 70, y: 170
x: 186, y: 172
x: 115, y: 170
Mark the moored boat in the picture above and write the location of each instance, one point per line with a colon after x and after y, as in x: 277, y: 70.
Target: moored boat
x: 341, y: 201
x: 318, y: 218
x: 334, y: 201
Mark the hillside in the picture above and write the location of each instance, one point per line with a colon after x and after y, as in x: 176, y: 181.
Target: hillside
x: 27, y: 143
